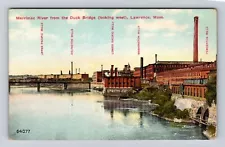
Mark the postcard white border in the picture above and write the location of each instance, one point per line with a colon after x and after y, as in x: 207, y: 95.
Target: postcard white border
x: 5, y: 5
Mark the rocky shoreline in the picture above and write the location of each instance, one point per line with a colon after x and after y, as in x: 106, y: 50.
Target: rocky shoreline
x: 173, y: 120
x: 205, y: 133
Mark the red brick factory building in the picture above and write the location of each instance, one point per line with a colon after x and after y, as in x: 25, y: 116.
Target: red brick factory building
x: 121, y: 79
x: 183, y: 77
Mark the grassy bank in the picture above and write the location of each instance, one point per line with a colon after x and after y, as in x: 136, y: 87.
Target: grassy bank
x: 162, y: 97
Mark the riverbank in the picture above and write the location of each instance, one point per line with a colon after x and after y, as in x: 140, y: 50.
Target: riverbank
x: 175, y: 120
x: 208, y: 133
x: 169, y: 110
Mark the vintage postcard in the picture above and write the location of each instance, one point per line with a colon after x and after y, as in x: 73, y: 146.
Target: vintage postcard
x: 112, y: 74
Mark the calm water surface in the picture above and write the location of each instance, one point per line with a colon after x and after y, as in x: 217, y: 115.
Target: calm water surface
x: 51, y: 115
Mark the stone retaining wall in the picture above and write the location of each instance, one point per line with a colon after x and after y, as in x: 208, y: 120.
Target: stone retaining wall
x: 193, y: 105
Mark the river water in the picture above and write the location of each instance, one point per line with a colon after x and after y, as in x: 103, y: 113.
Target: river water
x: 51, y: 115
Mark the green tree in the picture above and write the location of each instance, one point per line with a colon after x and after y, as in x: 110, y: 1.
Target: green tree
x: 211, y: 90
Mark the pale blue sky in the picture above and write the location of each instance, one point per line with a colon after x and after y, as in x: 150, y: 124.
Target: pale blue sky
x: 171, y: 38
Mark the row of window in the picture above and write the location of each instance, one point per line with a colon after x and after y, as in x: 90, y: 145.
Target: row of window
x: 189, y: 74
x: 171, y: 65
x: 119, y: 83
x: 196, y: 92
x: 196, y: 81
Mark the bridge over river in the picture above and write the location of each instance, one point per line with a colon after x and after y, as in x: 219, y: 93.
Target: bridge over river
x: 67, y: 83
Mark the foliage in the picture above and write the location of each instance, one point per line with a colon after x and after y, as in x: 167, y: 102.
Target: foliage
x: 162, y: 97
x: 182, y: 114
x: 211, y: 90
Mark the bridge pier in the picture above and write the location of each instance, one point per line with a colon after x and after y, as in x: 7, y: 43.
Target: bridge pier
x: 65, y: 86
x: 89, y: 85
x: 38, y: 87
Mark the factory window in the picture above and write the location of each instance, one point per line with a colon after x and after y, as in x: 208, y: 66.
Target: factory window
x: 197, y: 92
x: 200, y: 92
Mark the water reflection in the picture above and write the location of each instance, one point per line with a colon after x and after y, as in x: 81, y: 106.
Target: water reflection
x: 87, y: 115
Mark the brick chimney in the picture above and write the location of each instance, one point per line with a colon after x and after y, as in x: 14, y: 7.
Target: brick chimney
x: 116, y: 72
x: 111, y: 73
x: 71, y: 67
x: 195, y: 43
x: 141, y: 68
x: 156, y: 58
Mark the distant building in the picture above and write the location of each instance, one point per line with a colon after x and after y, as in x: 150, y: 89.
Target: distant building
x: 150, y: 71
x: 126, y: 71
x: 78, y: 76
x: 123, y: 80
x: 188, y: 81
x: 99, y: 75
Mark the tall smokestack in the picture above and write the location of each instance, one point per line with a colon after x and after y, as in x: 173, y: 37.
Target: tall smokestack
x: 102, y: 71
x: 79, y: 70
x: 141, y: 68
x: 111, y: 74
x: 155, y: 58
x: 195, y: 43
x: 101, y: 67
x: 76, y: 70
x: 71, y: 67
x: 115, y: 72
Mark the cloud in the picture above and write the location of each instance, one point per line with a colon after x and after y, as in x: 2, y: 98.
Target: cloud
x: 169, y: 34
x: 190, y: 33
x: 115, y: 12
x: 24, y: 31
x: 28, y: 33
x: 24, y: 39
x: 74, y: 13
x: 24, y: 34
x: 170, y: 25
x: 149, y: 35
x: 86, y: 36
